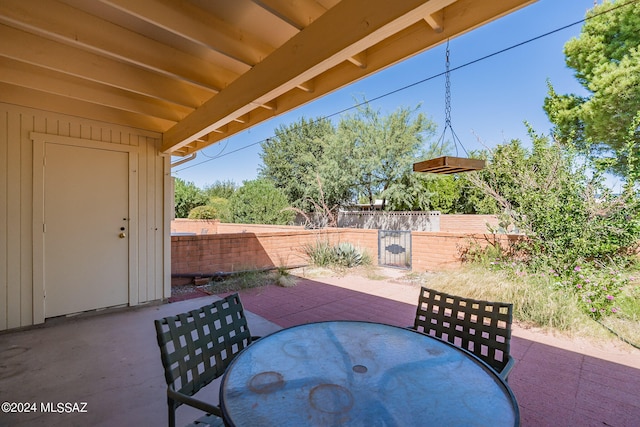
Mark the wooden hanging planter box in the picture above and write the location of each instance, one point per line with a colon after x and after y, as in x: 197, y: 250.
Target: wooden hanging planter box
x: 448, y: 165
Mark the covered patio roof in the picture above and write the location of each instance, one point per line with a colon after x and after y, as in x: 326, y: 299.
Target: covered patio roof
x: 199, y: 71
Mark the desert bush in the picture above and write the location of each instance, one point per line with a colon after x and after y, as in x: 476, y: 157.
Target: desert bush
x: 323, y: 254
x: 598, y: 288
x: 203, y: 212
x: 563, y: 207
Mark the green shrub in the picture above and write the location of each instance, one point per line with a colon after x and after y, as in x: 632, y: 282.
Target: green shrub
x: 260, y: 202
x: 320, y: 253
x: 566, y: 211
x: 221, y: 205
x: 574, y: 226
x: 187, y: 196
x: 323, y: 254
x: 598, y: 288
x: 203, y: 212
x: 348, y: 255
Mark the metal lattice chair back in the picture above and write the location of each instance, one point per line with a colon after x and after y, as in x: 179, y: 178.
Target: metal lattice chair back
x: 197, y: 347
x: 480, y: 327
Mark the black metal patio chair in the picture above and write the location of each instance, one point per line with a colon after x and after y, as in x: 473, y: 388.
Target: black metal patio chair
x: 480, y: 327
x: 196, y: 348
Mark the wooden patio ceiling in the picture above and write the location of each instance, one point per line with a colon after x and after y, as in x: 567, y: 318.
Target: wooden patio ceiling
x: 199, y: 71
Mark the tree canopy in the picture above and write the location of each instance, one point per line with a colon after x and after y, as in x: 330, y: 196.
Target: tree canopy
x: 260, y: 202
x: 291, y: 158
x: 605, y: 124
x: 367, y: 154
x: 567, y: 213
x: 220, y: 189
x: 186, y: 197
x: 378, y: 151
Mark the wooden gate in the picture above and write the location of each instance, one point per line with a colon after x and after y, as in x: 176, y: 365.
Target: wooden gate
x: 394, y: 248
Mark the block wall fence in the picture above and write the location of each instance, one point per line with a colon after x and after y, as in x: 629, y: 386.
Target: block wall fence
x: 476, y: 224
x: 237, y: 247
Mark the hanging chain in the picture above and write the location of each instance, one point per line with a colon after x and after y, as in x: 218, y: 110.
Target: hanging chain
x: 447, y: 93
x: 447, y: 111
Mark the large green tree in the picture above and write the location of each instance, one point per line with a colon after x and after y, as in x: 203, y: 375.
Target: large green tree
x: 260, y: 202
x: 368, y: 155
x: 220, y: 189
x: 605, y: 124
x: 186, y: 197
x: 291, y: 158
x: 376, y: 153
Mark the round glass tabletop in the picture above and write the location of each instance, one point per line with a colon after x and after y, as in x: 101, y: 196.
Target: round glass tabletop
x: 361, y: 374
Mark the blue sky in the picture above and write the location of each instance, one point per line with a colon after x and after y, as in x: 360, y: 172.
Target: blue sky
x: 490, y: 99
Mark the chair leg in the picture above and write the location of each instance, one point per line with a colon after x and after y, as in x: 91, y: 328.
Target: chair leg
x: 172, y: 414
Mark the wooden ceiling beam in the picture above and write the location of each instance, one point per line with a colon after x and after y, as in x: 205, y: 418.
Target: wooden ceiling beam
x: 64, y: 105
x: 436, y: 21
x: 243, y: 119
x: 297, y: 13
x: 271, y: 105
x: 32, y: 49
x: 161, y: 64
x: 306, y: 86
x: 77, y: 28
x: 466, y: 15
x: 30, y: 76
x: 224, y: 129
x: 312, y: 51
x: 199, y: 26
x: 359, y: 60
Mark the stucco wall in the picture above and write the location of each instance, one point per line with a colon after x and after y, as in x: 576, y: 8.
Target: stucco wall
x: 208, y: 254
x: 467, y: 223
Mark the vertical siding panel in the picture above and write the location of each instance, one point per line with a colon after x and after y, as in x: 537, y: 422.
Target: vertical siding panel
x: 158, y: 282
x: 143, y: 222
x: 65, y: 128
x: 50, y: 126
x: 13, y: 220
x: 167, y: 214
x: 4, y: 225
x: 26, y: 225
x: 105, y: 134
x: 148, y: 286
x: 37, y: 256
x: 134, y: 227
x: 75, y: 129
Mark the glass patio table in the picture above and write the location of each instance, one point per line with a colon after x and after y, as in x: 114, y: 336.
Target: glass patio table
x: 352, y: 373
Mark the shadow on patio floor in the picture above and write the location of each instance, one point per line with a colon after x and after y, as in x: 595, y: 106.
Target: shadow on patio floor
x: 111, y: 361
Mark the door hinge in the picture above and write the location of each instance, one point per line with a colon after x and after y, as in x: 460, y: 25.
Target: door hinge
x: 44, y: 228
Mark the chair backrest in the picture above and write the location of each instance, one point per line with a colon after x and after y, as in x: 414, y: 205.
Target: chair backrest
x: 481, y: 327
x: 197, y: 347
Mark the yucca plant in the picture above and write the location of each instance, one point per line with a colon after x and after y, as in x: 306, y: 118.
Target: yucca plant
x: 320, y: 253
x: 323, y: 254
x: 347, y: 255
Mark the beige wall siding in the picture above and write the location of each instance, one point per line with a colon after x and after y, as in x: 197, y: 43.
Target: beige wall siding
x: 149, y: 274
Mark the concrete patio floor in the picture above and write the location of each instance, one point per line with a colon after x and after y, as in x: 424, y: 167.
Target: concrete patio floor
x: 110, y: 360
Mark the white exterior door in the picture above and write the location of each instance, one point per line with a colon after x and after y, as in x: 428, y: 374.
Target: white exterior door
x: 86, y: 229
